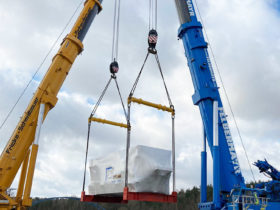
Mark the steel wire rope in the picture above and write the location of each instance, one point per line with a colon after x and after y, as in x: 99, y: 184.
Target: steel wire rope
x: 103, y: 93
x: 115, y: 43
x: 173, y: 123
x: 161, y: 73
x: 93, y: 113
x: 150, y: 5
x: 101, y: 97
x: 172, y: 117
x: 165, y: 86
x: 89, y: 125
x: 128, y: 119
x: 40, y: 66
x: 152, y: 14
x: 88, y: 134
x: 118, y: 31
x: 173, y: 153
x: 223, y: 86
x: 124, y: 110
x: 138, y: 76
x: 153, y: 24
x: 114, y: 26
x: 155, y: 14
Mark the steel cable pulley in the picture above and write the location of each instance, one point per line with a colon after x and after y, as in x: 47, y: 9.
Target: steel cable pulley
x: 153, y: 35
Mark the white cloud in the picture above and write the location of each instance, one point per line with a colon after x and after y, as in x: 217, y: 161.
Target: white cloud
x: 243, y: 35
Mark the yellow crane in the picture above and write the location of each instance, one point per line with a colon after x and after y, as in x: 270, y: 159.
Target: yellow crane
x: 22, y: 147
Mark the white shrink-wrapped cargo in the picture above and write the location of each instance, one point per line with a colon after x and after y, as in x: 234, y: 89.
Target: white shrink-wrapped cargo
x: 149, y: 170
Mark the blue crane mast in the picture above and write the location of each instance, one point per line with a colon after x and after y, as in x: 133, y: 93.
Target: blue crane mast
x: 229, y: 189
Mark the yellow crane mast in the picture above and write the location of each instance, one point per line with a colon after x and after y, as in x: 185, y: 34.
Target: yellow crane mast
x: 22, y: 147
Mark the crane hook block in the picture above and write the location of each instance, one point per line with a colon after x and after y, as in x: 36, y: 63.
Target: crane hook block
x: 152, y: 41
x: 114, y: 67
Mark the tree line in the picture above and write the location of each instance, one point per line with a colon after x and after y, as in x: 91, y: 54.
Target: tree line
x: 187, y: 199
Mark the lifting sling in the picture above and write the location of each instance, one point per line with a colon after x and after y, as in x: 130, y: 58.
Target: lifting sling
x: 127, y: 195
x: 170, y: 108
x: 114, y: 68
x: 152, y: 41
x: 104, y: 121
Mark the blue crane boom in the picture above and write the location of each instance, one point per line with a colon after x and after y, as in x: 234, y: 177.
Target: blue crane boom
x: 206, y: 92
x: 229, y: 189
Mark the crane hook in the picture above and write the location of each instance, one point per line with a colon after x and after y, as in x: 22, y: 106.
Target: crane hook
x: 152, y: 41
x: 114, y: 67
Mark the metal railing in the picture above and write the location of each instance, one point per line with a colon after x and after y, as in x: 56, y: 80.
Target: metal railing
x: 246, y: 201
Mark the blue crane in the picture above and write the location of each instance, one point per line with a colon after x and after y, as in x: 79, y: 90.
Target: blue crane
x: 229, y: 189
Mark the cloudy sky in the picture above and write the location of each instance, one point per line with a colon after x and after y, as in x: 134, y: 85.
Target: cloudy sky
x: 245, y: 38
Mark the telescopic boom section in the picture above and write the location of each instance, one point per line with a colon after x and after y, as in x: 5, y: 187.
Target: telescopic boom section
x: 22, y: 138
x: 206, y: 92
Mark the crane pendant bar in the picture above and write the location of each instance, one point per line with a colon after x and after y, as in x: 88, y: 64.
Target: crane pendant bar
x: 147, y: 103
x: 104, y: 121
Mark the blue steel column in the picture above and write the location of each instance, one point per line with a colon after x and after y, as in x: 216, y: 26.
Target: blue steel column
x: 216, y: 158
x: 203, y: 185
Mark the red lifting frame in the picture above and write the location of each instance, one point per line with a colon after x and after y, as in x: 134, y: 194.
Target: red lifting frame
x: 128, y: 196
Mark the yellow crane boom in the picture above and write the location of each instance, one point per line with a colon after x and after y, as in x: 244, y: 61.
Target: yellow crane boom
x: 22, y: 147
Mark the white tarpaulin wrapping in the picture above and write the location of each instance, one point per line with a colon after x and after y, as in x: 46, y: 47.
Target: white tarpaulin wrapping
x: 149, y: 170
